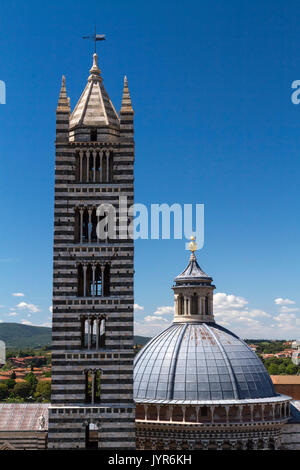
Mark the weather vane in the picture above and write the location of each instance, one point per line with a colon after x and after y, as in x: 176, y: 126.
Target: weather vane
x: 95, y: 37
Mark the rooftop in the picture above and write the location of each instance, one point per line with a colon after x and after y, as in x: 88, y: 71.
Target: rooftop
x: 23, y: 416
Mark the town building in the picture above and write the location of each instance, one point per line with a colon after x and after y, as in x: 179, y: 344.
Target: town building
x: 92, y: 335
x: 23, y: 426
x: 2, y: 353
x: 296, y: 352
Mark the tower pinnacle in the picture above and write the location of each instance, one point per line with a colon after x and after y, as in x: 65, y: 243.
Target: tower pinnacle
x: 126, y: 106
x: 63, y: 104
x: 95, y: 69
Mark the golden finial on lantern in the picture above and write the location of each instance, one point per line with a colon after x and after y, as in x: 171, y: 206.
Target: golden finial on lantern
x: 193, y: 245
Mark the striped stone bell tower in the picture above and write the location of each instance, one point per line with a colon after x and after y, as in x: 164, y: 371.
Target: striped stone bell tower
x: 92, y: 341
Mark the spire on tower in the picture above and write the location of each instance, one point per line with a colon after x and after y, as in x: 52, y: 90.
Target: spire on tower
x: 126, y: 106
x: 94, y: 107
x: 63, y: 104
x: 95, y: 68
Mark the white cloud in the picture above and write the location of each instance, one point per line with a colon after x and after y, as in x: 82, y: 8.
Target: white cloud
x: 50, y: 309
x: 26, y: 322
x: 228, y: 301
x: 230, y: 308
x: 164, y: 310
x: 153, y: 318
x: 285, y: 309
x: 138, y: 307
x: 12, y: 314
x: 234, y: 313
x: 48, y: 324
x: 258, y: 313
x: 31, y: 307
x: 150, y: 328
x: 280, y: 301
x: 18, y: 294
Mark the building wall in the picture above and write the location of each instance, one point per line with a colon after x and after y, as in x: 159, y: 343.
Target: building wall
x: 290, y: 437
x: 23, y: 440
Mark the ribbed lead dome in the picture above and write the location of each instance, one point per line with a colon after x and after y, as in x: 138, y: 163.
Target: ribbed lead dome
x: 199, y: 361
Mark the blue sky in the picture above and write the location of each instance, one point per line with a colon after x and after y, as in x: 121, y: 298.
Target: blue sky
x: 214, y: 122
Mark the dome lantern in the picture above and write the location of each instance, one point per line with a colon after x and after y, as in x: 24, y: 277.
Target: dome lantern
x: 193, y: 292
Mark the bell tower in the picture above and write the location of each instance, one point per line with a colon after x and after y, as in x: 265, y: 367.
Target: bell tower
x: 92, y: 336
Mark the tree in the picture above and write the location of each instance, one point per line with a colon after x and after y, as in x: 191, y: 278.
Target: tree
x: 282, y: 369
x: 292, y: 369
x: 13, y: 375
x: 43, y: 391
x: 4, y: 392
x: 273, y: 369
x: 10, y: 383
x: 32, y: 380
x: 22, y: 390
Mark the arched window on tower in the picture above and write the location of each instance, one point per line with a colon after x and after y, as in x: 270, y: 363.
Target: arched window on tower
x: 92, y: 331
x: 93, y: 280
x: 92, y: 386
x: 94, y: 166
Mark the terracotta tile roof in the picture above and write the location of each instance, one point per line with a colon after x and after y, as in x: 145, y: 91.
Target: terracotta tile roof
x: 22, y: 416
x: 286, y: 379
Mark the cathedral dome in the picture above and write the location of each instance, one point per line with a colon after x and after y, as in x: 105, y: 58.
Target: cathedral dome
x: 196, y: 359
x: 199, y: 362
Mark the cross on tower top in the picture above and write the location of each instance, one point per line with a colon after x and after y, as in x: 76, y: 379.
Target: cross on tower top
x: 95, y: 37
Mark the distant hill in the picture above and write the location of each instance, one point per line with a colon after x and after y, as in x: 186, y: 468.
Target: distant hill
x: 18, y: 336
x: 141, y: 340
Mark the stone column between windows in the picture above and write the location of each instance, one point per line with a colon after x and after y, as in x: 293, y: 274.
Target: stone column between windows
x: 102, y: 280
x: 107, y: 166
x: 84, y: 280
x: 93, y: 386
x: 90, y: 225
x: 94, y: 283
x: 101, y: 167
x: 81, y: 224
x: 97, y: 332
x: 89, y: 333
x: 94, y: 171
x: 87, y: 165
x: 80, y: 167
